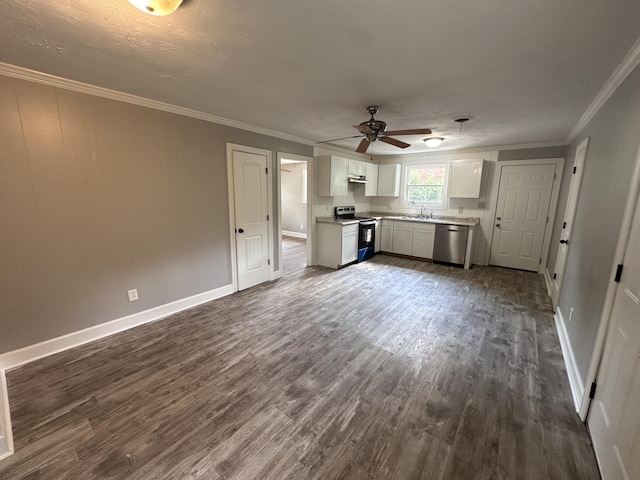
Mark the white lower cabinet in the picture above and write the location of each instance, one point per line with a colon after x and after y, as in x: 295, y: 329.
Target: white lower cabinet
x: 349, y: 244
x: 423, y: 238
x: 337, y: 244
x: 402, y: 237
x: 386, y: 236
x: 378, y: 237
x: 408, y: 238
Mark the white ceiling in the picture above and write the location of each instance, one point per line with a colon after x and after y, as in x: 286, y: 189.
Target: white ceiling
x: 526, y: 71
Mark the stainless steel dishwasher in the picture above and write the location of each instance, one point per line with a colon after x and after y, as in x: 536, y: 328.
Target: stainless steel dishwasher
x: 450, y: 244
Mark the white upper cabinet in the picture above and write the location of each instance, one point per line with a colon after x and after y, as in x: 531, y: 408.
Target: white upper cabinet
x: 356, y: 167
x: 371, y: 188
x: 389, y: 180
x: 332, y: 176
x: 464, y: 178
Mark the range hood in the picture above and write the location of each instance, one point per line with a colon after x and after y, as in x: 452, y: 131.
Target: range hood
x: 356, y: 178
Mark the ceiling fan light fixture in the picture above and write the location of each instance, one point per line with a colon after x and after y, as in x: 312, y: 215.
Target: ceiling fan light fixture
x: 433, y: 142
x: 158, y: 8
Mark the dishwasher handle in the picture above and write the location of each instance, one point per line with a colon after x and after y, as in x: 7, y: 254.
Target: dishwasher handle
x: 451, y: 228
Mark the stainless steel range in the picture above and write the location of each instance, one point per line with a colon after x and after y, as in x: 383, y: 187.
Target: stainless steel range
x: 366, y: 231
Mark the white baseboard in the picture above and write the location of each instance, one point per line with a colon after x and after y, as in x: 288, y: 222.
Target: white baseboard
x: 575, y: 381
x: 294, y: 234
x: 547, y: 280
x: 6, y: 435
x: 55, y: 345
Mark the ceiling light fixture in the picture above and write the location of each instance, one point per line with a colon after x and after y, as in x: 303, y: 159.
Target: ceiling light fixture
x: 156, y: 7
x: 433, y: 142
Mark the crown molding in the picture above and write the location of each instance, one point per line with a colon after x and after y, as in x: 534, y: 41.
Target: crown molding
x: 629, y: 62
x: 481, y: 149
x: 73, y: 85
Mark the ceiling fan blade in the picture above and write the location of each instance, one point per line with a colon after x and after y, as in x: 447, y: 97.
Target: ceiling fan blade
x: 394, y: 142
x: 414, y: 131
x: 336, y: 139
x: 364, y: 145
x: 364, y: 129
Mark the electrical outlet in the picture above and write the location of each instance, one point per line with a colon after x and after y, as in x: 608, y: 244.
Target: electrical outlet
x: 570, y: 314
x: 301, y: 227
x: 133, y: 295
x: 460, y: 210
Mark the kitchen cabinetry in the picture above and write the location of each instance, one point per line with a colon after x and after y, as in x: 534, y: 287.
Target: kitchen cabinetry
x: 356, y: 167
x: 386, y: 235
x: 337, y: 244
x: 402, y: 237
x: 378, y: 238
x: 389, y: 180
x: 465, y: 177
x: 332, y: 176
x: 423, y: 240
x: 371, y: 188
x: 408, y: 238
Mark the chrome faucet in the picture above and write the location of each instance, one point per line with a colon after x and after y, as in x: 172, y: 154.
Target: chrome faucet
x: 422, y: 211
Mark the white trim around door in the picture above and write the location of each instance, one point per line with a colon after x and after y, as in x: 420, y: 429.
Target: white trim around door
x: 310, y: 195
x: 231, y: 147
x: 6, y: 436
x: 605, y: 318
x: 567, y: 227
x: 555, y: 192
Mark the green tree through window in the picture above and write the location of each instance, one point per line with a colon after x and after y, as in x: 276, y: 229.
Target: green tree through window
x: 425, y: 185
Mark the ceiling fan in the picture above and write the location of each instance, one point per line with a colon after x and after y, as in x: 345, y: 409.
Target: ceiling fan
x: 373, y: 130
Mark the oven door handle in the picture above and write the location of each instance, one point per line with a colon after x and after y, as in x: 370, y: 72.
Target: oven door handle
x: 367, y: 222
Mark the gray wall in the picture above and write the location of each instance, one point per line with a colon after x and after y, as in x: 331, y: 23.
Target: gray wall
x: 532, y: 153
x: 294, y: 212
x: 613, y: 146
x: 98, y: 197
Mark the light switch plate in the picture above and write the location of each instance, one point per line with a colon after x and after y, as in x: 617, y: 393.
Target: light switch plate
x: 133, y: 295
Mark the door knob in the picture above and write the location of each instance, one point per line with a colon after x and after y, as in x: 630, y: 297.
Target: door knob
x: 566, y: 242
x: 498, y: 218
x: 240, y: 230
x: 498, y: 225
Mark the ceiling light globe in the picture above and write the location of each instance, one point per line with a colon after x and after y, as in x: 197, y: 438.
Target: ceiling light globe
x: 156, y: 7
x: 433, y: 142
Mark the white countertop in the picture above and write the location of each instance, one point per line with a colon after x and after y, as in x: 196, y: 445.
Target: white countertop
x: 468, y: 221
x: 335, y: 221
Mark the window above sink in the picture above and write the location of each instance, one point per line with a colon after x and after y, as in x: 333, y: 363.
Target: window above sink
x: 425, y: 185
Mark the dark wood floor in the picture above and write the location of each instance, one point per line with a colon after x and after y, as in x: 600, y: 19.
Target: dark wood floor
x: 294, y: 254
x: 388, y: 369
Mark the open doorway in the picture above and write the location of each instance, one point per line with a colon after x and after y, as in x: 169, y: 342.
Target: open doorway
x: 296, y: 231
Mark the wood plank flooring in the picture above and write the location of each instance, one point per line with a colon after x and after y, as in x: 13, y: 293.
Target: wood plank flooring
x: 388, y: 369
x: 294, y: 254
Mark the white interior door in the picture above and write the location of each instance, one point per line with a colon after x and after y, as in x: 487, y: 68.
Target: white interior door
x: 614, y: 417
x: 524, y: 196
x: 251, y: 218
x: 567, y: 226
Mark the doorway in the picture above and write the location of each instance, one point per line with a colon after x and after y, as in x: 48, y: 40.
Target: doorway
x: 295, y: 206
x: 525, y: 208
x: 250, y: 215
x: 614, y: 417
x: 567, y: 225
